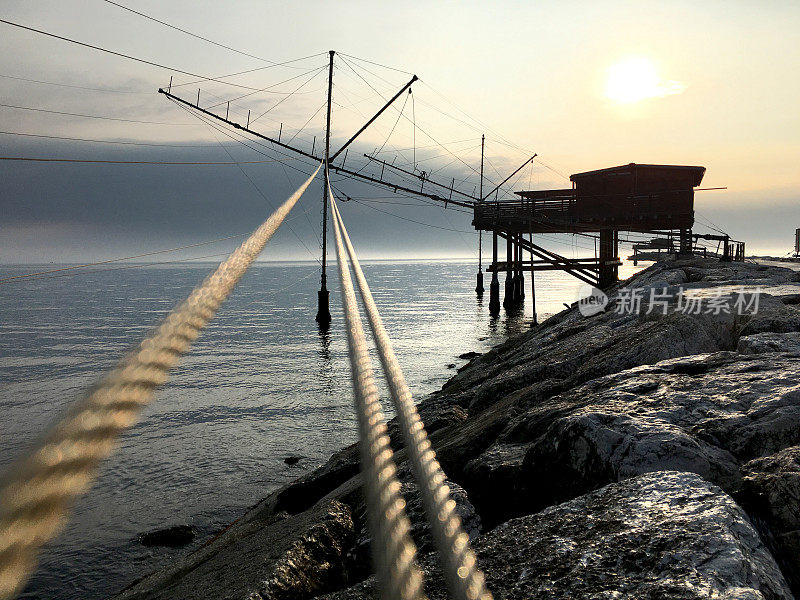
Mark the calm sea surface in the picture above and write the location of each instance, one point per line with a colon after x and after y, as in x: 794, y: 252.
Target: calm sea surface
x: 261, y: 383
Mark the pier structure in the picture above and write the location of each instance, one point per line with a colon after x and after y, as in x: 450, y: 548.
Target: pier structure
x: 644, y: 198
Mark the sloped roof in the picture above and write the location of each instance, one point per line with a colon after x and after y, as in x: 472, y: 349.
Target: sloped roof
x: 628, y: 169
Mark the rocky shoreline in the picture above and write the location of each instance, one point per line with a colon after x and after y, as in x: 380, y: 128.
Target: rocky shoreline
x: 621, y: 455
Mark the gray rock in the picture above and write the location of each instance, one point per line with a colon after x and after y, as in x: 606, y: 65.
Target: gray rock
x: 359, y: 558
x: 261, y: 558
x: 177, y: 535
x: 772, y: 492
x: 663, y: 535
x: 758, y: 343
x: 773, y: 317
x: 706, y: 414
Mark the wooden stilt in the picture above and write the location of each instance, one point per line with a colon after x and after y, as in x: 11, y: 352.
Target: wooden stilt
x: 494, y: 286
x: 508, y: 292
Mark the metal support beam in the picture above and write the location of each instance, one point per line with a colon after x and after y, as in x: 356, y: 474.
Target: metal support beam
x: 449, y: 188
x: 559, y: 262
x: 499, y: 185
x: 377, y: 114
x: 336, y: 169
x: 237, y: 126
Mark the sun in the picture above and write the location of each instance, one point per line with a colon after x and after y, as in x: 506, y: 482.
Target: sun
x: 635, y: 79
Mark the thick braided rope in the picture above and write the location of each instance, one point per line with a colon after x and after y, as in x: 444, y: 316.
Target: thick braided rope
x: 36, y: 494
x: 464, y: 579
x: 393, y: 550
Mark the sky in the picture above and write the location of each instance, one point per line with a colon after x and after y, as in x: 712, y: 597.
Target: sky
x: 584, y: 85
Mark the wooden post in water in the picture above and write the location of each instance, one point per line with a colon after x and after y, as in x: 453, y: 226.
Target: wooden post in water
x: 508, y: 292
x: 520, y: 269
x: 323, y: 296
x: 494, y: 286
x: 517, y: 253
x: 533, y: 285
x: 479, y: 283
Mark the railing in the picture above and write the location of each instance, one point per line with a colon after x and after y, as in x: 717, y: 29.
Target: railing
x: 573, y: 208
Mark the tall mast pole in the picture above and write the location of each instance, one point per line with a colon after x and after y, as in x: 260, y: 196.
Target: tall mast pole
x: 479, y: 286
x: 323, y: 296
x: 494, y: 285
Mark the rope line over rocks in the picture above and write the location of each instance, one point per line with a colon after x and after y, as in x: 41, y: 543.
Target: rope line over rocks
x: 393, y: 550
x: 463, y: 578
x: 37, y: 492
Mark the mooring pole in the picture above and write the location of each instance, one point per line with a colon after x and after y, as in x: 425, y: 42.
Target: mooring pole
x: 521, y: 237
x: 508, y: 292
x: 494, y: 286
x: 479, y: 285
x: 323, y: 296
x: 533, y: 284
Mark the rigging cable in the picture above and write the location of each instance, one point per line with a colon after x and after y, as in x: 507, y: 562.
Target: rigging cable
x: 212, y: 125
x: 315, y: 71
x: 151, y: 63
x: 77, y: 87
x: 194, y: 35
x: 74, y: 139
x: 395, y: 123
x: 58, y: 112
x: 132, y: 162
x: 112, y: 260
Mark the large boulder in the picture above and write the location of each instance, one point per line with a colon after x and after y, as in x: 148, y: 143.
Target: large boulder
x: 706, y: 414
x: 759, y: 343
x: 663, y: 535
x: 772, y: 495
x: 264, y: 556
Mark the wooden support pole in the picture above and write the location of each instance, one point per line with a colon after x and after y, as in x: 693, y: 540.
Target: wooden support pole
x: 508, y: 292
x: 323, y: 296
x: 607, y: 271
x: 521, y: 270
x: 494, y: 286
x: 479, y: 282
x: 516, y: 281
x: 533, y: 285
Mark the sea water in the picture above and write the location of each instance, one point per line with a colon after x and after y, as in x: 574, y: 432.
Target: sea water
x: 261, y: 383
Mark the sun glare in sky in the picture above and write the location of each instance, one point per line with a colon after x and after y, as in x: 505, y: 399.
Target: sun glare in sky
x: 635, y: 79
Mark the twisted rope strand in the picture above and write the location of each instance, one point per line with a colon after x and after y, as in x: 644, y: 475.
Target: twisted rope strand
x: 35, y: 495
x: 393, y: 551
x: 464, y: 579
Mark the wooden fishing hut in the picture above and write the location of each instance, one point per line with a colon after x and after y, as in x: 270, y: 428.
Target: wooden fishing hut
x: 635, y: 197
